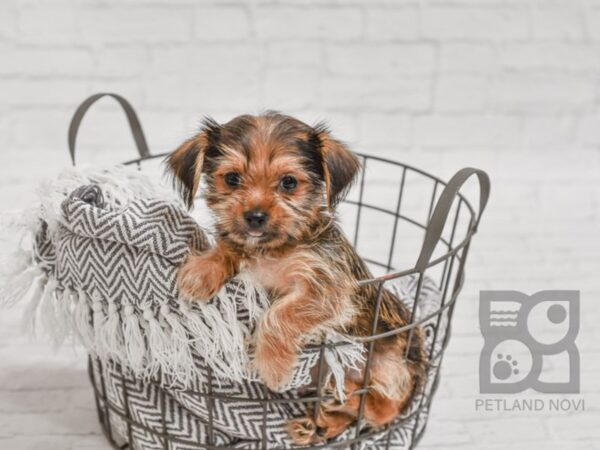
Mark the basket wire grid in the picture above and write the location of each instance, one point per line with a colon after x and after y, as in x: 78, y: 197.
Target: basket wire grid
x: 444, y: 249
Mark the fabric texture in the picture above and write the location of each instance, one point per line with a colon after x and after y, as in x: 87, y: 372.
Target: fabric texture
x: 102, y: 270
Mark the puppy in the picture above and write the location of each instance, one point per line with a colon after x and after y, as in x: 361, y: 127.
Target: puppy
x: 272, y: 183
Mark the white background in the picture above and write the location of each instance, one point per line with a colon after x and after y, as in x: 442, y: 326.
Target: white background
x: 509, y: 86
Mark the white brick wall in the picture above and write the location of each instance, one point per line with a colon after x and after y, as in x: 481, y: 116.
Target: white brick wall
x: 511, y: 86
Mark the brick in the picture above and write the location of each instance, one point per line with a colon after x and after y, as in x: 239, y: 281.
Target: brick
x: 165, y: 91
x: 141, y: 24
x: 100, y: 127
x: 6, y: 130
x: 467, y: 57
x: 8, y: 19
x: 229, y: 83
x: 569, y: 57
x: 92, y: 442
x: 534, y: 92
x: 391, y: 94
x: 450, y: 22
x: 280, y: 95
x: 575, y: 427
x: 38, y: 62
x: 343, y: 125
x: 129, y: 88
x: 70, y: 422
x: 207, y: 62
x: 36, y: 442
x: 33, y: 401
x: 391, y: 23
x: 592, y: 18
x: 445, y: 433
x: 588, y: 131
x: 377, y: 129
x: 286, y: 22
x: 237, y: 94
x: 582, y: 164
x: 121, y: 61
x: 56, y: 24
x: 447, y: 131
x: 165, y: 131
x: 507, y: 430
x: 377, y: 60
x: 295, y: 54
x: 221, y: 23
x: 550, y: 132
x: 558, y: 21
x: 461, y: 93
x: 556, y: 198
x: 61, y: 370
x: 40, y: 92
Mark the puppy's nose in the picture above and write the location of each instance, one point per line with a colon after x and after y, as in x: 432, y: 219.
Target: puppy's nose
x: 256, y: 218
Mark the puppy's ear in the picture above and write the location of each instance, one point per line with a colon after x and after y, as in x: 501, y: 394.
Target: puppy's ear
x: 340, y: 166
x: 186, y: 163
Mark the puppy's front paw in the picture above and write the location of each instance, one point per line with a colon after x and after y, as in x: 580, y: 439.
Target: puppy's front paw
x: 200, y: 278
x: 274, y: 363
x: 302, y: 430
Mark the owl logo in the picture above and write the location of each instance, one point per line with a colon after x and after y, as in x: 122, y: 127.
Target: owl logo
x: 529, y: 342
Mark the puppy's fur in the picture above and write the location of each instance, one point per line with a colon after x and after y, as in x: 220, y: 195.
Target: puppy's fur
x: 273, y: 182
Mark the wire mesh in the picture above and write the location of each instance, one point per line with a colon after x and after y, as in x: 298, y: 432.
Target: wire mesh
x: 448, y: 258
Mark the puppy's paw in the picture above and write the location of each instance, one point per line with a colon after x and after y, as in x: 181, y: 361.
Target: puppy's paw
x: 200, y: 278
x: 304, y: 431
x: 274, y: 364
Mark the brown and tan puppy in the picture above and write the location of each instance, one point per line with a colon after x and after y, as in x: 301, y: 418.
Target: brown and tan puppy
x: 273, y: 183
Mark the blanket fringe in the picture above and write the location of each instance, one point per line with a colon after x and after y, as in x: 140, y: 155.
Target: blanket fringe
x: 98, y: 319
x: 111, y: 334
x: 83, y: 321
x: 17, y: 286
x: 349, y: 355
x: 181, y: 361
x: 135, y: 345
x: 28, y: 322
x: 49, y: 316
x: 158, y: 340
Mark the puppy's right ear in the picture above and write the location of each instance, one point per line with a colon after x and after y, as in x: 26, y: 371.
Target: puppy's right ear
x: 186, y: 163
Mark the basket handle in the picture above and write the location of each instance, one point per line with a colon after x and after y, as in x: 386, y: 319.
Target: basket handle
x: 132, y: 118
x: 442, y: 209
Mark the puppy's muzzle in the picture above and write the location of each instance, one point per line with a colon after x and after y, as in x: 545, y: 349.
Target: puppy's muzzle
x: 256, y: 219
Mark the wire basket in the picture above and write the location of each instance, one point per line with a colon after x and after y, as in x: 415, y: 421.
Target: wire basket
x: 394, y: 213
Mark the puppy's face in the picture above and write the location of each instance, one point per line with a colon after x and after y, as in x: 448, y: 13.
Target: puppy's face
x: 270, y: 179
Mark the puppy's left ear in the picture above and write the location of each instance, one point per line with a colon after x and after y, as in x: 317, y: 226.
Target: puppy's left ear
x: 340, y: 166
x: 187, y: 161
x: 185, y: 165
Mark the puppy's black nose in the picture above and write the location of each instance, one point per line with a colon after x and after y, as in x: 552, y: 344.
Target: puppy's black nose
x: 256, y: 218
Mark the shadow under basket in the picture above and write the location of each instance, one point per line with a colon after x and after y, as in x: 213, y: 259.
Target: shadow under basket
x: 395, y: 211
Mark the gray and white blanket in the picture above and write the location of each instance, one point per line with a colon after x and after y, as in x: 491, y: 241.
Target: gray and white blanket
x: 101, y: 270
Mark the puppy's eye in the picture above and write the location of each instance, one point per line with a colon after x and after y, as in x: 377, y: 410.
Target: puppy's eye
x: 233, y: 179
x: 288, y: 183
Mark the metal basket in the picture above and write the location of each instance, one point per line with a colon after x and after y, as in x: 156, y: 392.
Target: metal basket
x: 443, y: 222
